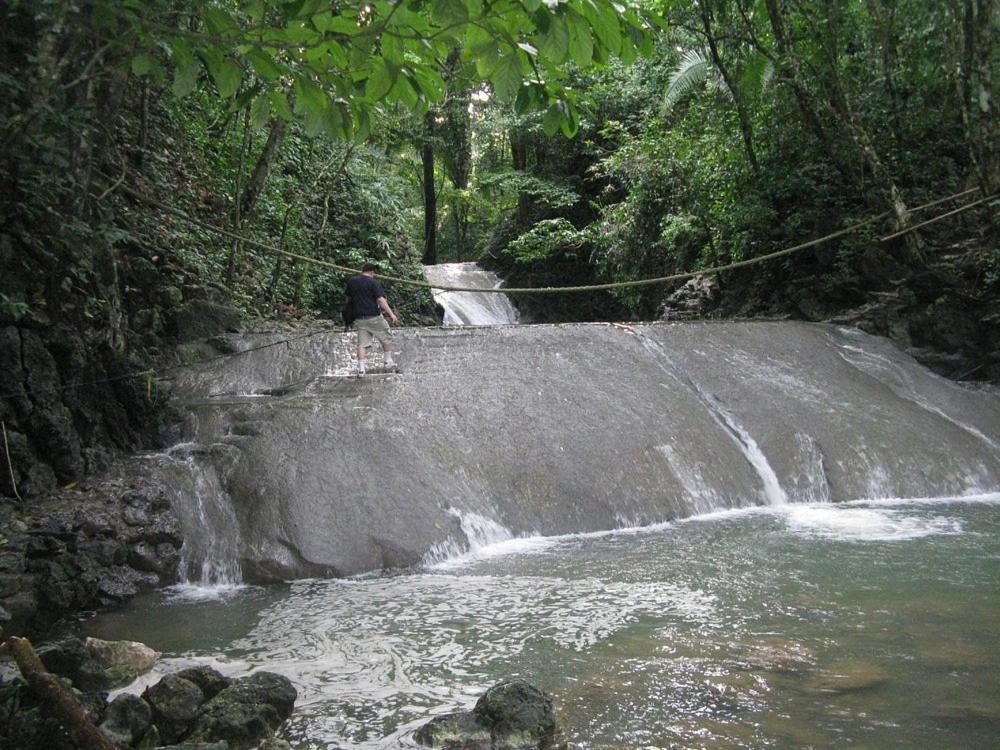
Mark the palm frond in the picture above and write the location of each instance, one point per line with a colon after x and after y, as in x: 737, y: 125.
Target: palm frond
x: 757, y: 74
x: 693, y: 69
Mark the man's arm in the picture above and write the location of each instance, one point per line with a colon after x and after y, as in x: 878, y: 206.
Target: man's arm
x: 384, y: 307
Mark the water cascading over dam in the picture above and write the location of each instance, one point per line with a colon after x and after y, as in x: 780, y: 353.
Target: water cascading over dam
x: 551, y: 429
x: 470, y: 309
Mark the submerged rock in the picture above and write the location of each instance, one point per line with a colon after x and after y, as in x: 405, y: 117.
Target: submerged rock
x: 513, y: 715
x: 964, y: 714
x: 458, y: 730
x: 776, y: 655
x: 848, y: 677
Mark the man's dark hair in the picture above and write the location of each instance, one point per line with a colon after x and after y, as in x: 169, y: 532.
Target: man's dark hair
x: 368, y: 267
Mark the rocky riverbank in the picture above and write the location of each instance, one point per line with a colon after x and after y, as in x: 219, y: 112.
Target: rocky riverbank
x: 89, y: 547
x: 193, y: 708
x: 201, y: 708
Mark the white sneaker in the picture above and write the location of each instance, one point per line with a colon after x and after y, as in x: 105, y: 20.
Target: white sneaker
x: 360, y: 369
x: 389, y: 362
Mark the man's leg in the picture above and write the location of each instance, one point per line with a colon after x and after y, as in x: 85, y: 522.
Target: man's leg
x: 364, y: 341
x: 384, y: 336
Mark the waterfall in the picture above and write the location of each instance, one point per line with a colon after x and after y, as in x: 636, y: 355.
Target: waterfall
x: 773, y: 494
x: 210, y: 555
x: 470, y: 308
x: 497, y: 433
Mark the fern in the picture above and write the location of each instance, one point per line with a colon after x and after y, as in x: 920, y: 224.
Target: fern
x: 693, y: 70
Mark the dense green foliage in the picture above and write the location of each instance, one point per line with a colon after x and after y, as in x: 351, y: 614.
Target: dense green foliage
x: 388, y: 130
x: 757, y: 125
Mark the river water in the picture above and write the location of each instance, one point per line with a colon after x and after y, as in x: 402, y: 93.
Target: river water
x: 868, y: 624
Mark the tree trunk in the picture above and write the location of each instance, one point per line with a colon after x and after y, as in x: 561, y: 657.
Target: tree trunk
x: 884, y: 13
x: 840, y: 107
x: 987, y: 27
x: 263, y: 166
x: 61, y: 703
x: 237, y: 222
x: 978, y: 29
x: 519, y: 160
x: 803, y: 97
x: 456, y: 145
x: 430, y: 194
x: 143, y: 140
x: 272, y: 288
x: 746, y: 128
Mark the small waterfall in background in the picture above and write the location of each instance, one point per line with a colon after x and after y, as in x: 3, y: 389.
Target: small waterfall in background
x: 479, y: 532
x: 470, y: 308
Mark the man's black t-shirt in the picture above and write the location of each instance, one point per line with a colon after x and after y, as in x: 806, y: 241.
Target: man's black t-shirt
x: 363, y: 292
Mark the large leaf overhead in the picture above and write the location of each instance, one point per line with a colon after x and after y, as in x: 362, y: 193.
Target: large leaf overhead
x: 366, y: 55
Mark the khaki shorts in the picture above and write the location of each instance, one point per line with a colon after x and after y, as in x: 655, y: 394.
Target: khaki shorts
x: 370, y: 329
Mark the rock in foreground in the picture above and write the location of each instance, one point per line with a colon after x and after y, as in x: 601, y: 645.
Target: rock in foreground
x: 511, y: 715
x: 195, y: 708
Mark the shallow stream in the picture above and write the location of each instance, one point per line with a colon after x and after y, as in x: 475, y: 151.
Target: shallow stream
x: 870, y: 624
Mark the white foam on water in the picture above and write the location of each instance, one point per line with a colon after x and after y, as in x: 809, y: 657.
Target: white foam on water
x: 982, y: 497
x: 484, y: 538
x: 188, y: 592
x: 855, y: 520
x: 865, y: 524
x: 488, y: 539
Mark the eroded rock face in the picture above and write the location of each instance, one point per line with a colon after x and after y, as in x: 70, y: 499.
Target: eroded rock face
x: 511, y: 715
x: 692, y: 300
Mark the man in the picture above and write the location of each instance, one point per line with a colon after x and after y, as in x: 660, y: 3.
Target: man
x: 368, y: 305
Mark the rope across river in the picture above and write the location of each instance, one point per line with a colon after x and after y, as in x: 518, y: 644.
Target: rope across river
x: 570, y: 289
x: 151, y: 374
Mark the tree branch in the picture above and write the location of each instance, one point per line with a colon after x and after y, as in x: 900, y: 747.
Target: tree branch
x: 60, y: 701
